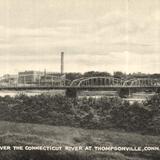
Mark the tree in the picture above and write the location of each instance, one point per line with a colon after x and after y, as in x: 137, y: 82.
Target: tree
x: 96, y: 74
x: 72, y: 76
x: 119, y: 74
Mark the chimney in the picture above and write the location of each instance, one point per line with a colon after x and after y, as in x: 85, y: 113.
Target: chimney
x: 62, y: 62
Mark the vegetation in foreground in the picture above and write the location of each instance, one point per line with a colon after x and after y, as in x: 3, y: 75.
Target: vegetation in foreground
x: 88, y: 113
x: 43, y: 155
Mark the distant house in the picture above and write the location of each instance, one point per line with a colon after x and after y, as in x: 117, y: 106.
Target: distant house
x: 8, y: 80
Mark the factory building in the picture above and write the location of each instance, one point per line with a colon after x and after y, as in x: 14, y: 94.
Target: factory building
x: 52, y: 79
x: 41, y: 78
x: 36, y: 77
x: 29, y: 77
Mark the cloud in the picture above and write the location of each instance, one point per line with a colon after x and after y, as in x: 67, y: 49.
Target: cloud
x: 93, y: 36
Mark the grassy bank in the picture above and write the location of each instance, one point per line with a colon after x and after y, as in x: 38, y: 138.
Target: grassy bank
x: 34, y: 134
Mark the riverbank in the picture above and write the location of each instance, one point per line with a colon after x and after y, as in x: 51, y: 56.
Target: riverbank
x: 89, y: 113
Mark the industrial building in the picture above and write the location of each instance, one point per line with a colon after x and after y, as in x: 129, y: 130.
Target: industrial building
x: 43, y: 78
x: 29, y: 77
x: 40, y: 78
x: 32, y: 77
x: 53, y: 79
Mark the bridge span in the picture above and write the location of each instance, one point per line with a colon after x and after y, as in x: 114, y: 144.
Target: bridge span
x: 123, y: 87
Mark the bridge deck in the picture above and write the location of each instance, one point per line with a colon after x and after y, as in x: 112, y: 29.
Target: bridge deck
x: 74, y: 87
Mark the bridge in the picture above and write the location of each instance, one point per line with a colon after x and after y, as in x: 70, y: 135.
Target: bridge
x: 111, y: 81
x: 122, y: 86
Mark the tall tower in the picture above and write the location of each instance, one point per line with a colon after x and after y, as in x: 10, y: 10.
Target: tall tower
x: 62, y: 62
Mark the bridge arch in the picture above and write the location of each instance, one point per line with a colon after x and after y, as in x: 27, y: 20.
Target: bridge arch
x: 142, y: 82
x: 97, y: 81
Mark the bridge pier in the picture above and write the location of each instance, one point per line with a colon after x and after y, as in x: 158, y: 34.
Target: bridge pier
x: 71, y: 92
x: 157, y: 90
x: 128, y: 92
x: 124, y: 92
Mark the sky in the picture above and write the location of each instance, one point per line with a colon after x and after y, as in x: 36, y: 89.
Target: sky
x: 95, y: 35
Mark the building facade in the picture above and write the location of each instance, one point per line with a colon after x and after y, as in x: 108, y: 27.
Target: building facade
x: 8, y: 80
x: 41, y: 78
x: 29, y: 77
x: 52, y: 79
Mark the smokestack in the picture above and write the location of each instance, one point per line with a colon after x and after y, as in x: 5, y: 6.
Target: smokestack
x: 62, y: 62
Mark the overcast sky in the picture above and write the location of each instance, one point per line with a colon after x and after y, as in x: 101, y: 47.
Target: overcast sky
x: 101, y: 35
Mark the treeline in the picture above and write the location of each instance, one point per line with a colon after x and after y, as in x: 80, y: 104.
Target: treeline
x: 117, y: 74
x: 103, y: 113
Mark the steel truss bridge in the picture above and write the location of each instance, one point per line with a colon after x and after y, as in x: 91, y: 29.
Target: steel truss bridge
x: 111, y: 81
x: 93, y: 83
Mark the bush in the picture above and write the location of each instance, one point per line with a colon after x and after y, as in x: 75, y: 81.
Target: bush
x: 86, y: 112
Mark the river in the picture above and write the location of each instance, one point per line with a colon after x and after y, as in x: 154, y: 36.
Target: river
x: 139, y: 97
x: 30, y: 92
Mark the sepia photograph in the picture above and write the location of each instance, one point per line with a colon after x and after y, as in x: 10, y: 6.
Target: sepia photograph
x: 79, y: 79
